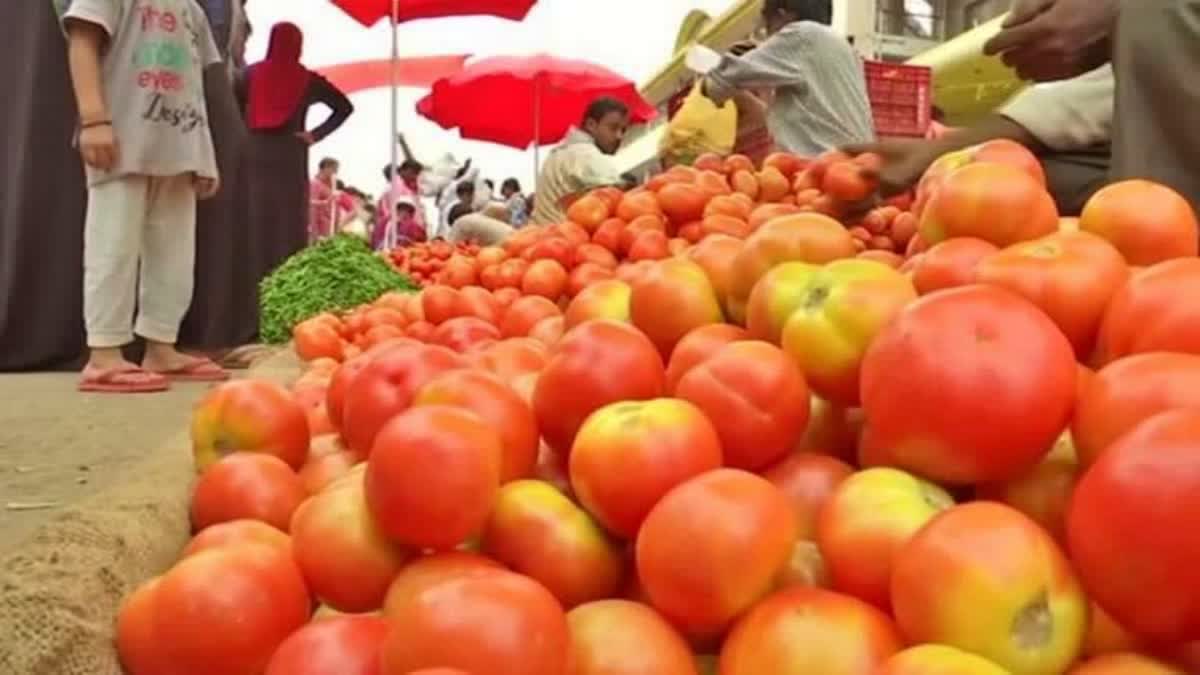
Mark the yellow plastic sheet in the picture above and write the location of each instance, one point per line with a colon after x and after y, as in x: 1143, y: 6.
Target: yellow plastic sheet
x: 698, y: 127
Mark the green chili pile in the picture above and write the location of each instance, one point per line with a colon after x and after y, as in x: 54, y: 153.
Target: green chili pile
x: 335, y: 275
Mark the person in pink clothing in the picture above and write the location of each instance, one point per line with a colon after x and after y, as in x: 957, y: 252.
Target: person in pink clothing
x: 322, y: 192
x: 404, y: 185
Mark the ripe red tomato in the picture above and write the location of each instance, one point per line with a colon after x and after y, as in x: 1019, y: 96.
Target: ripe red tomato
x: 346, y: 559
x: 249, y: 416
x: 683, y: 202
x: 429, y: 571
x: 433, y: 475
x: 343, y: 645
x: 538, y: 531
x: 233, y: 606
x: 950, y: 264
x: 317, y: 339
x: 1129, y: 391
x: 138, y: 649
x: 497, y: 405
x: 385, y: 388
x: 668, y: 440
x: 498, y: 623
x: 247, y: 485
x: 757, y: 399
x: 319, y: 472
x: 585, y: 275
x: 236, y: 533
x: 464, y: 332
x: 1137, y: 498
x: 596, y: 363
x: 1070, y: 275
x: 441, y: 303
x: 809, y: 630
x: 979, y: 354
x: 619, y: 637
x: 681, y: 285
x: 524, y: 314
x: 697, y: 346
x: 1147, y: 222
x: 547, y: 278
x: 512, y: 358
x: 1146, y: 315
x: 808, y: 480
x: 994, y: 202
x: 548, y: 331
x: 711, y: 547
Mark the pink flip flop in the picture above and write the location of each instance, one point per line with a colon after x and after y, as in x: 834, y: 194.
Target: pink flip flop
x: 200, y: 370
x: 122, y: 380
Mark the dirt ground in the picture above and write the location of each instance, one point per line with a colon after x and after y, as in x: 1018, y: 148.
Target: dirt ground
x: 58, y: 446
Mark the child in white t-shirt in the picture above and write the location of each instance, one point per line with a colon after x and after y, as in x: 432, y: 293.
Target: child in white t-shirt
x: 137, y: 68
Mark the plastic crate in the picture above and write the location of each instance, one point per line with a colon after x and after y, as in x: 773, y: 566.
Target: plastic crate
x: 901, y: 98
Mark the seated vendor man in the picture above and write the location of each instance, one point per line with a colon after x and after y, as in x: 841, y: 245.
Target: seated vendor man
x: 582, y: 162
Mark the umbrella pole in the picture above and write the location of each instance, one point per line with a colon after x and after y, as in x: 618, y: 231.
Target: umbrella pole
x: 537, y: 129
x: 393, y: 141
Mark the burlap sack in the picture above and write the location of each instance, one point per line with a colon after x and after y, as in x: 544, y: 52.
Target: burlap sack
x: 60, y: 590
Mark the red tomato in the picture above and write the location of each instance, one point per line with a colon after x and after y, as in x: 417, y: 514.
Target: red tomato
x: 585, y: 275
x: 648, y: 245
x: 681, y: 285
x: 429, y: 571
x: 1137, y: 498
x: 236, y: 533
x: 595, y: 254
x: 994, y: 202
x: 668, y: 440
x: 976, y: 353
x: 433, y: 476
x: 597, y: 363
x: 548, y: 331
x: 619, y: 637
x: 319, y: 472
x: 697, y: 346
x: 1146, y: 315
x: 711, y: 547
x: 808, y: 480
x: 1147, y: 222
x: 233, y: 606
x: 317, y: 339
x: 442, y: 303
x: 683, y: 202
x: 481, y: 304
x: 249, y: 416
x: 344, y: 645
x: 497, y: 405
x: 608, y: 235
x: 538, y: 531
x: 604, y: 299
x: 498, y: 623
x: 1070, y: 275
x: 588, y: 211
x: 524, y: 314
x: 512, y: 358
x: 756, y: 397
x: 546, y: 279
x: 511, y: 273
x: 1129, y: 391
x: 247, y: 486
x: 465, y: 332
x: 385, y: 388
x: 138, y: 650
x: 808, y: 630
x: 950, y: 264
x: 346, y: 559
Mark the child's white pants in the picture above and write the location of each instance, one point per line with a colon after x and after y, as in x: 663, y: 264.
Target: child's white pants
x: 139, y: 250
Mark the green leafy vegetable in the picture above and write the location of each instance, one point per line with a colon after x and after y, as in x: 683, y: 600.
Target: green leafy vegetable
x: 335, y: 275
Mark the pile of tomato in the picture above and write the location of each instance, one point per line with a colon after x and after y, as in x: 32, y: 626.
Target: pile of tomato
x: 772, y: 450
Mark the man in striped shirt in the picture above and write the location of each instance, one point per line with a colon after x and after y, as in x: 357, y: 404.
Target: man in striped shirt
x: 820, y: 90
x: 582, y: 161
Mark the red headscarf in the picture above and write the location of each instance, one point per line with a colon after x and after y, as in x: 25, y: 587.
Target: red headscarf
x: 278, y: 83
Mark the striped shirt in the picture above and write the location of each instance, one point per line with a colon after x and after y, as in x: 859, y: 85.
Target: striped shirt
x: 820, y: 100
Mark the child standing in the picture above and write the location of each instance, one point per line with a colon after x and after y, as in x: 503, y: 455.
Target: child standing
x: 409, y: 230
x: 137, y: 68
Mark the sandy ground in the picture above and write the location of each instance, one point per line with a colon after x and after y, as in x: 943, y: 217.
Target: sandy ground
x: 58, y: 446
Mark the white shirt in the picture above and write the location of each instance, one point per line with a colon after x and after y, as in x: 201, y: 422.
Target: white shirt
x: 1075, y: 114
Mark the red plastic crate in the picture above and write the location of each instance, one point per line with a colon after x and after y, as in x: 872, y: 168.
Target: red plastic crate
x: 901, y: 98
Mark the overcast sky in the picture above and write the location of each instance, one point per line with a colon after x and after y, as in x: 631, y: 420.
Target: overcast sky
x: 632, y: 37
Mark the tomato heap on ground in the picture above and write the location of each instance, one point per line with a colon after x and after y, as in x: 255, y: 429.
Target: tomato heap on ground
x: 746, y: 440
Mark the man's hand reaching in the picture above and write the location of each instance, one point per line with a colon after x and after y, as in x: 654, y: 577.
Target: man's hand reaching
x: 904, y: 162
x: 1047, y: 40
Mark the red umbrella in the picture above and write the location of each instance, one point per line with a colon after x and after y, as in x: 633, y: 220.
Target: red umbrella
x: 420, y: 71
x: 523, y: 100
x: 370, y: 12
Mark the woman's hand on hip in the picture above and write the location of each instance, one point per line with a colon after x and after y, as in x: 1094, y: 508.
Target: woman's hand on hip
x: 306, y: 137
x: 98, y: 145
x: 207, y: 188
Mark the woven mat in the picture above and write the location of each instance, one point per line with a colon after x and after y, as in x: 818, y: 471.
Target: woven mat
x: 60, y: 590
